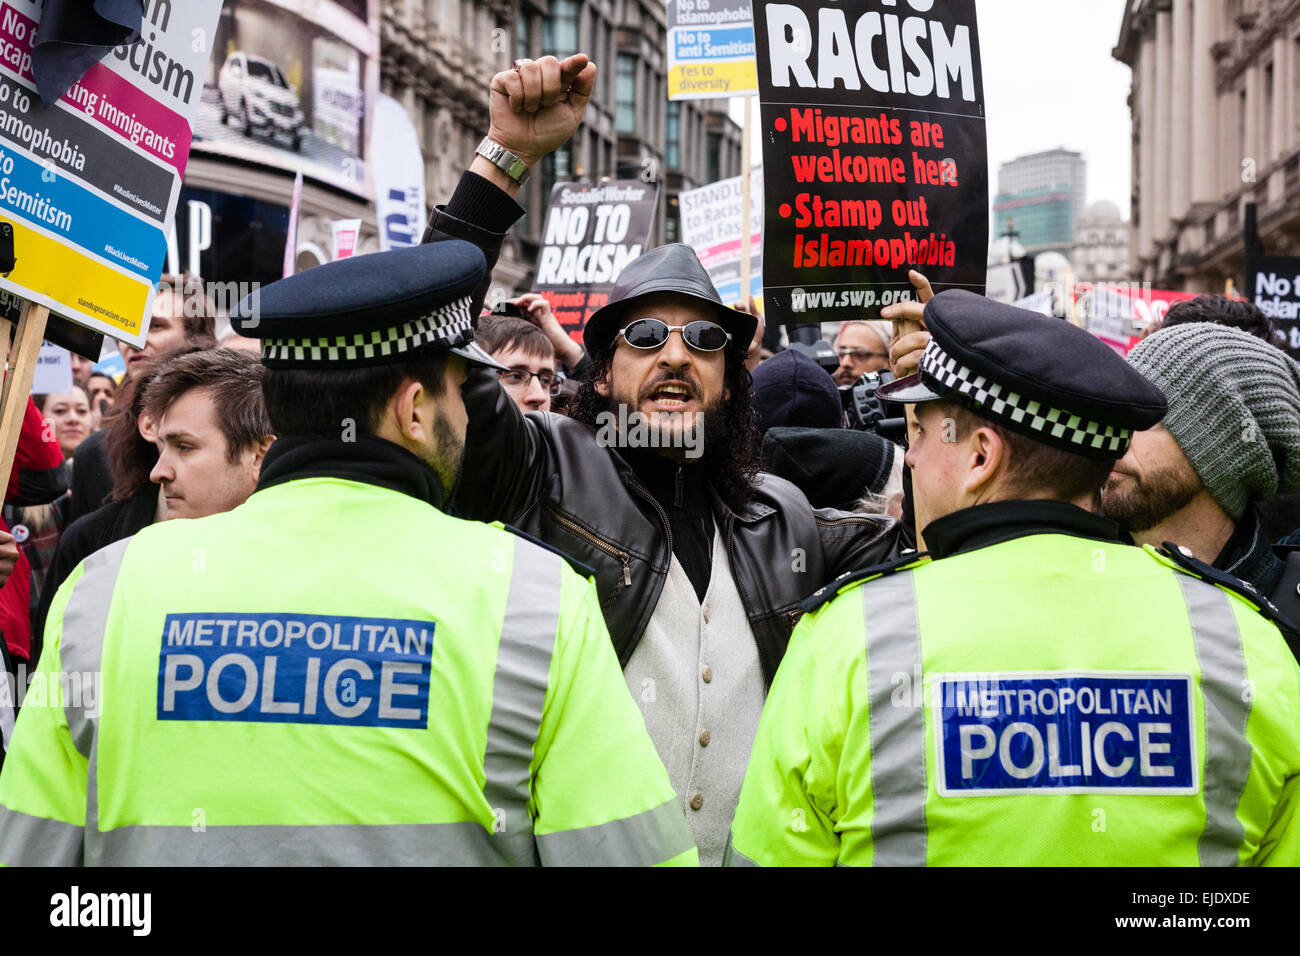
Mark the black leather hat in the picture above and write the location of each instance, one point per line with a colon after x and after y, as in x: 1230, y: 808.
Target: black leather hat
x: 674, y: 268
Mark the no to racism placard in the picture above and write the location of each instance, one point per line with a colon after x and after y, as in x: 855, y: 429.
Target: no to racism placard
x: 90, y: 184
x: 710, y: 49
x: 874, y: 153
x: 592, y: 231
x: 711, y: 226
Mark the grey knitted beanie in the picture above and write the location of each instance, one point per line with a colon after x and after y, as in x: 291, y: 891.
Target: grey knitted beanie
x: 1234, y: 408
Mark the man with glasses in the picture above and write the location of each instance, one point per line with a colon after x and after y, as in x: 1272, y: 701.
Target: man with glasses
x: 862, y: 347
x: 700, y: 562
x: 528, y: 356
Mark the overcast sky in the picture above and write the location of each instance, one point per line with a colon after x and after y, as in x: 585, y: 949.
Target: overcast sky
x: 1049, y: 81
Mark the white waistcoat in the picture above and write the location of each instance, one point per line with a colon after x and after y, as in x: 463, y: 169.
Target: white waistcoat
x: 696, y: 676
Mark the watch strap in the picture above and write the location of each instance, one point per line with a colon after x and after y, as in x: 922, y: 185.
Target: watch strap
x: 504, y: 160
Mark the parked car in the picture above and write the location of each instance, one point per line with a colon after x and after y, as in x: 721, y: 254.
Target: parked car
x: 255, y: 92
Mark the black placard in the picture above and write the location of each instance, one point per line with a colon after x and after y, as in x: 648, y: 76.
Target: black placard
x: 1273, y: 284
x: 592, y: 231
x: 874, y: 152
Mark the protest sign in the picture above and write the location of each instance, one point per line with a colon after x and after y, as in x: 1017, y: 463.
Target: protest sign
x: 873, y: 151
x: 711, y: 218
x: 710, y: 49
x: 90, y: 183
x: 1273, y: 284
x: 1118, y: 313
x: 53, y: 371
x: 592, y: 231
x: 345, y: 234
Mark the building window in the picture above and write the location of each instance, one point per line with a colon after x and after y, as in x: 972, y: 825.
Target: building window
x: 672, y: 153
x: 713, y: 159
x: 671, y: 223
x: 560, y: 30
x: 555, y: 169
x: 625, y: 94
x: 522, y: 36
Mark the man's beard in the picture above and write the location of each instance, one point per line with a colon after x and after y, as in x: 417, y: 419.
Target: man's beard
x: 1141, y: 504
x: 672, y: 434
x: 447, y: 453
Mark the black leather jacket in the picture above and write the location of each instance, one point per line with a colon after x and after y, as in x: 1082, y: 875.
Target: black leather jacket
x: 549, y: 477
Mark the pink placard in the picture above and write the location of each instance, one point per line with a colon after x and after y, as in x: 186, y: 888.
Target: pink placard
x: 105, y: 97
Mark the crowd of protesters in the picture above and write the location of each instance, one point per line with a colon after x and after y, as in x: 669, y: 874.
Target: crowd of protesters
x: 183, y: 434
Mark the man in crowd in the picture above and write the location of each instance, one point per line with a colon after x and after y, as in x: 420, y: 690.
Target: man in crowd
x: 362, y: 678
x: 918, y: 701
x: 528, y: 356
x: 862, y: 347
x: 1230, y: 440
x: 212, y: 431
x: 699, y: 564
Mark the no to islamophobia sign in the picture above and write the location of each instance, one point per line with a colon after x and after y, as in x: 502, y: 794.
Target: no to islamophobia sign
x: 874, y: 152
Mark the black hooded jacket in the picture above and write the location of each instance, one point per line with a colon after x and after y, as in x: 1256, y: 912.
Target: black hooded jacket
x: 549, y: 476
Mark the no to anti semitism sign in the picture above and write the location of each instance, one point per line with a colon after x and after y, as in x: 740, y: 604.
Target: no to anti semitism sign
x: 90, y: 184
x: 710, y: 49
x: 592, y: 231
x: 874, y: 153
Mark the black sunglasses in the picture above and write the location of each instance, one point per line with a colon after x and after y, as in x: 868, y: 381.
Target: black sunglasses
x: 702, y: 336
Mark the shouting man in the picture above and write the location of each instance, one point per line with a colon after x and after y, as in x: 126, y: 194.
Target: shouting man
x: 700, y: 562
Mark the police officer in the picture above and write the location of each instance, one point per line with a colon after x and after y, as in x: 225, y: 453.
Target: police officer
x: 337, y: 671
x: 1036, y: 690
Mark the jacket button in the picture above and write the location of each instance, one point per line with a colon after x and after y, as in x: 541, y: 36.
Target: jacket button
x: 705, y: 612
x: 697, y: 801
x: 704, y: 739
x: 707, y: 675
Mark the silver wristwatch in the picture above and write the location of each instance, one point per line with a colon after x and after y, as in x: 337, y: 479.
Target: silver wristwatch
x: 504, y: 160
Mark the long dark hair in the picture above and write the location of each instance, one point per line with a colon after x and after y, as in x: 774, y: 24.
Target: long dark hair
x: 731, y: 456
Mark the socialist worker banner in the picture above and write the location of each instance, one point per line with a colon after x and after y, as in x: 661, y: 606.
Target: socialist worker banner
x: 874, y: 152
x: 592, y: 231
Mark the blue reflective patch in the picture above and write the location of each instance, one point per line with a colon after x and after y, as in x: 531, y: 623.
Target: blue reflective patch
x: 295, y: 669
x: 1064, y: 732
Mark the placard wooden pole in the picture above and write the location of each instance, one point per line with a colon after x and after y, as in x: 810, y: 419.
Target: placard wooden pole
x: 18, y: 378
x: 744, y: 204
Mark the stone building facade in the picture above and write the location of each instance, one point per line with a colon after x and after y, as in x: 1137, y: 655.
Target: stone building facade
x: 1216, y: 125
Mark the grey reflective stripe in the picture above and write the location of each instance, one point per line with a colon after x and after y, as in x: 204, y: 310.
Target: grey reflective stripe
x: 1223, y: 688
x: 26, y: 840
x: 642, y: 840
x: 81, y: 641
x: 416, y: 844
x: 519, y: 686
x: 734, y: 857
x: 898, y: 786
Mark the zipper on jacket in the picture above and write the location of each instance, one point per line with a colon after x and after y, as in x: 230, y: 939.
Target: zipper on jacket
x: 596, y: 542
x: 668, y: 529
x: 679, y: 492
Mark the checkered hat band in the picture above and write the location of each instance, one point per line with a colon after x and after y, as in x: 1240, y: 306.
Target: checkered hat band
x: 450, y: 326
x: 1056, y: 426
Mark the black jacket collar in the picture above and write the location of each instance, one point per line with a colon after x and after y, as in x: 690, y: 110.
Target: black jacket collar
x: 368, y: 459
x: 983, y: 525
